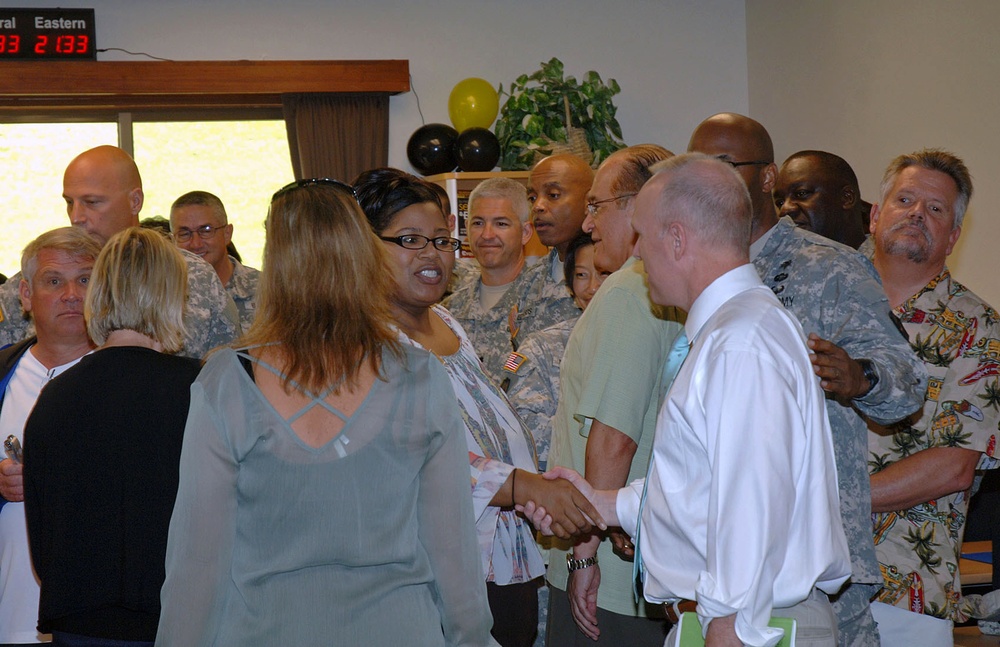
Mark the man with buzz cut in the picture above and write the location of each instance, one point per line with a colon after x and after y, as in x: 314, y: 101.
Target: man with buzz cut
x: 55, y: 271
x: 923, y: 467
x: 502, y: 300
x: 103, y: 193
x: 557, y: 191
x: 863, y: 361
x: 819, y: 191
x: 199, y: 224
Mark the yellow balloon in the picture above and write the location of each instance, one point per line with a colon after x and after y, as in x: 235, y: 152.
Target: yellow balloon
x: 473, y: 104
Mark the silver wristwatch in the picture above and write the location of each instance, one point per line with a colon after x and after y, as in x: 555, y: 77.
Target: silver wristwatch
x: 578, y: 564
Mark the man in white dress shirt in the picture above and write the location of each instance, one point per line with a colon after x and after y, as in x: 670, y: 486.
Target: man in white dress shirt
x: 55, y: 271
x: 741, y: 517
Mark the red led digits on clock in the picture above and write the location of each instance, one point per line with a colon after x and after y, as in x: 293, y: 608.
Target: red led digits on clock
x: 41, y: 42
x: 10, y: 44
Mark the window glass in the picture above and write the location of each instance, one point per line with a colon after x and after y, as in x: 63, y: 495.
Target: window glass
x: 32, y: 160
x: 242, y: 162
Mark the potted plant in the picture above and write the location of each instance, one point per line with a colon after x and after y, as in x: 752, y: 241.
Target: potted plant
x: 546, y: 113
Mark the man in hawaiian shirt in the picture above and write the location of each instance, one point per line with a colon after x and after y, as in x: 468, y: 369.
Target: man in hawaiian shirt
x: 923, y: 467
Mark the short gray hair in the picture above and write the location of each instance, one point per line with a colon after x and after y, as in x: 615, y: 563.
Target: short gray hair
x: 74, y: 241
x: 709, y: 196
x: 636, y: 163
x: 505, y: 189
x: 933, y: 159
x: 202, y: 199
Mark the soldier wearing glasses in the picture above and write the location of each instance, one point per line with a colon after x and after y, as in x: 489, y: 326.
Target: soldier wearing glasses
x: 199, y: 224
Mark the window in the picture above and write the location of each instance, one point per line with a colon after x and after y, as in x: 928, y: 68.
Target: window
x: 242, y: 162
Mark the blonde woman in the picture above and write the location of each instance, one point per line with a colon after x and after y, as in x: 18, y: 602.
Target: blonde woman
x: 102, y: 448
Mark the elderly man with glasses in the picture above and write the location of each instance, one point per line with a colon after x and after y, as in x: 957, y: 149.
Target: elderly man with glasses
x: 611, y: 379
x: 199, y: 224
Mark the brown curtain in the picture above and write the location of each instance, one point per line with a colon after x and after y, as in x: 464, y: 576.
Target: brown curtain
x: 336, y: 135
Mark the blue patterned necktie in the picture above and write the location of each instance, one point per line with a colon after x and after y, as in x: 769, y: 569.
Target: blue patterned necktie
x: 675, y: 359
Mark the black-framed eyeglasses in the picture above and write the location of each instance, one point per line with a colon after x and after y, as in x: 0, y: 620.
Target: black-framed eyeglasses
x: 416, y: 241
x: 323, y: 181
x: 723, y: 158
x: 205, y: 232
x: 592, y: 206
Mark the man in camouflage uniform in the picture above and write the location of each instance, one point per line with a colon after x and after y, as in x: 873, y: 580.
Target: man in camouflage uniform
x: 199, y: 224
x: 503, y: 300
x: 859, y: 354
x: 103, y: 193
x: 923, y: 467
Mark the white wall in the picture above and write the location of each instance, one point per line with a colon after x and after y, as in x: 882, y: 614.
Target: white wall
x: 675, y: 61
x: 870, y: 80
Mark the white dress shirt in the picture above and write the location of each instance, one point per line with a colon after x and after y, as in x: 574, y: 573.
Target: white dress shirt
x: 742, y: 512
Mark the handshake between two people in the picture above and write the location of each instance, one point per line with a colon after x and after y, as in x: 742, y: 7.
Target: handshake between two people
x: 562, y: 503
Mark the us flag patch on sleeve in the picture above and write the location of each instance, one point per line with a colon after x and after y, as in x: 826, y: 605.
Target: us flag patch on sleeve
x: 514, y: 361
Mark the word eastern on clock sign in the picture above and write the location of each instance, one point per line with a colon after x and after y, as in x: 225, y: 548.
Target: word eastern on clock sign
x: 41, y: 34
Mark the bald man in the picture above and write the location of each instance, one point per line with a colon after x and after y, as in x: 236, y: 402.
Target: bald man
x: 557, y: 191
x: 819, y: 191
x: 103, y: 193
x: 866, y: 366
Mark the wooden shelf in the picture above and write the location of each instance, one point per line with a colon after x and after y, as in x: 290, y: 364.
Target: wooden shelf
x: 64, y: 85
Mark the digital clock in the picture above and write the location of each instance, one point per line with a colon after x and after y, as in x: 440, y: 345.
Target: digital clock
x: 47, y: 34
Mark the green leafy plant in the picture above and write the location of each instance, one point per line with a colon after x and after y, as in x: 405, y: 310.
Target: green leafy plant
x: 546, y: 113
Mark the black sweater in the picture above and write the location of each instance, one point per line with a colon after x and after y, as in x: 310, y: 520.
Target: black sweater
x: 102, y: 448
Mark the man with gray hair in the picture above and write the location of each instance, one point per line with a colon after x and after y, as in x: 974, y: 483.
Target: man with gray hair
x: 862, y: 360
x: 923, y: 467
x: 199, y: 224
x: 737, y: 520
x: 503, y: 300
x: 55, y: 270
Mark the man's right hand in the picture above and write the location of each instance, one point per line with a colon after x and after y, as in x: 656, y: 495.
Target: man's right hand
x: 11, y: 480
x: 582, y: 591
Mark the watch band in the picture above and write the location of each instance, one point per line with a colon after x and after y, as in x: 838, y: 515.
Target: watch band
x: 579, y: 564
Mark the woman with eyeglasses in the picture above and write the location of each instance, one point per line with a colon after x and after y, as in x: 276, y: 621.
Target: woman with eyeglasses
x: 324, y: 497
x: 406, y: 215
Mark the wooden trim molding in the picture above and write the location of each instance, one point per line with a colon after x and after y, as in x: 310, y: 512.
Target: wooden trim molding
x: 54, y: 86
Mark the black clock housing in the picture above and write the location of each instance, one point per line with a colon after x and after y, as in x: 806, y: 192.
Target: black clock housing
x: 47, y: 34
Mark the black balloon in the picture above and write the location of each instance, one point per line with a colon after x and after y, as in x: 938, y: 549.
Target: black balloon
x: 430, y: 149
x: 477, y: 149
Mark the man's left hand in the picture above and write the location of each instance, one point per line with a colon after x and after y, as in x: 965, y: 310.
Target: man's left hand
x: 838, y: 373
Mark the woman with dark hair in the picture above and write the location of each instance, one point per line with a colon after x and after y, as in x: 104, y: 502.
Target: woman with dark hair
x: 102, y: 447
x: 406, y: 215
x: 323, y: 496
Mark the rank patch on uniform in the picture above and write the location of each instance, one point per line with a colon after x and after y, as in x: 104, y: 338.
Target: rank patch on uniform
x: 514, y: 362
